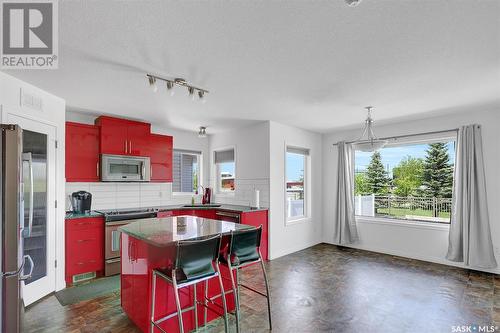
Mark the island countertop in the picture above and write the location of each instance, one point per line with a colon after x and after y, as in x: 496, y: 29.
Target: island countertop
x: 168, y: 230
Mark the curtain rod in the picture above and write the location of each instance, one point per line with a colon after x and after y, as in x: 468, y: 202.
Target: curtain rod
x: 408, y: 135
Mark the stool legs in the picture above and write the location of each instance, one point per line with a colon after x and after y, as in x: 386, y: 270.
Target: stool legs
x: 236, y: 298
x: 223, y: 295
x: 195, y: 304
x: 177, y: 301
x: 267, y: 292
x: 153, y: 293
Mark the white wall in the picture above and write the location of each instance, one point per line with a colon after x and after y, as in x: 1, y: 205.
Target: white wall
x: 251, y: 146
x: 53, y: 113
x: 423, y: 241
x: 285, y: 239
x: 119, y: 195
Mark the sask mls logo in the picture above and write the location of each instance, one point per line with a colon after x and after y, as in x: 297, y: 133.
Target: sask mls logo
x: 29, y: 34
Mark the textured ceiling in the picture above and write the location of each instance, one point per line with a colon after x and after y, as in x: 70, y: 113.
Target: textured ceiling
x: 311, y: 64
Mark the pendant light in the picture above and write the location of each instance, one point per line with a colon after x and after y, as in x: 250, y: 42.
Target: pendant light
x: 202, y: 133
x: 368, y: 142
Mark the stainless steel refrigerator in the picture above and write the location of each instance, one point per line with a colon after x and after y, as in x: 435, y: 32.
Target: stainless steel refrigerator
x: 12, y: 214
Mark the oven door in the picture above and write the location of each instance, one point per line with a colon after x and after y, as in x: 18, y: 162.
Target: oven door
x: 112, y: 247
x: 125, y: 168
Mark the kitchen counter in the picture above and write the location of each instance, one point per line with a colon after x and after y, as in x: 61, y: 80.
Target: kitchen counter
x: 226, y: 207
x: 168, y: 230
x: 72, y: 215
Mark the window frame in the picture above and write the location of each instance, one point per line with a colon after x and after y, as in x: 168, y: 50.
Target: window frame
x: 200, y: 171
x: 307, y: 158
x: 216, y: 175
x: 411, y: 139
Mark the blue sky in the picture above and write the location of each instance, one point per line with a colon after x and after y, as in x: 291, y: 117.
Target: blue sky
x: 294, y: 166
x: 391, y: 156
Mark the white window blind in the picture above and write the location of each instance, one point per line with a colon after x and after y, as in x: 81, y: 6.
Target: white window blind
x: 297, y: 150
x: 224, y: 156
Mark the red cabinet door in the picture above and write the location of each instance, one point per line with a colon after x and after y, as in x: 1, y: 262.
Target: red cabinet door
x: 206, y: 213
x: 84, y: 248
x: 256, y: 219
x: 138, y: 138
x: 82, y: 153
x: 160, y: 153
x: 114, y: 138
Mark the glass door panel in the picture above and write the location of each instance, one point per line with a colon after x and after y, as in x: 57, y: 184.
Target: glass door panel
x: 35, y: 237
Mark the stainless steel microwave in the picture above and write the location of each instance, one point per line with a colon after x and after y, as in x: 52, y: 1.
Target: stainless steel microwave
x: 119, y: 168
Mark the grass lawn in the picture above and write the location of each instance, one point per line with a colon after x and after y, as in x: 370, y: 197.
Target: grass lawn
x: 398, y: 212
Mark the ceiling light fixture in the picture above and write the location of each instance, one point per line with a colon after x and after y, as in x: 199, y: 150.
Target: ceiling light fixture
x: 202, y: 133
x: 352, y: 3
x: 170, y: 87
x: 152, y: 83
x: 171, y: 83
x: 368, y: 142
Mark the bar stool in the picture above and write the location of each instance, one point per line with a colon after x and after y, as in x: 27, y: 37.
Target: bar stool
x: 244, y: 250
x: 194, y: 263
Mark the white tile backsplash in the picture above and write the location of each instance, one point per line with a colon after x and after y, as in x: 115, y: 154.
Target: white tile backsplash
x: 133, y: 195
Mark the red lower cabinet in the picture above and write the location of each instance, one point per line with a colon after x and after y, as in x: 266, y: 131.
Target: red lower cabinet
x: 256, y: 219
x: 84, y: 247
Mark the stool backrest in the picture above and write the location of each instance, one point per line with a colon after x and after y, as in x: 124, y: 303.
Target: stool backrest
x: 195, y: 257
x: 244, y: 246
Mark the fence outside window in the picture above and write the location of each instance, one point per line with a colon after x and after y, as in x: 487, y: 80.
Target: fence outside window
x: 428, y: 209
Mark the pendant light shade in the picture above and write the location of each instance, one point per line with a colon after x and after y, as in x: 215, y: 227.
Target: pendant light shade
x: 368, y: 142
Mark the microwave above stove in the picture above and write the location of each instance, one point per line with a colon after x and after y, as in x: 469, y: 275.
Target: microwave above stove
x: 119, y: 168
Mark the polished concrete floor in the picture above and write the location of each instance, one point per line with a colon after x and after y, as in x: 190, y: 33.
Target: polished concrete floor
x: 324, y: 289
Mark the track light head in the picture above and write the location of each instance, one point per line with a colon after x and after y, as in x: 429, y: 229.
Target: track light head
x: 202, y: 133
x: 191, y: 92
x: 201, y: 95
x: 170, y: 87
x: 152, y: 83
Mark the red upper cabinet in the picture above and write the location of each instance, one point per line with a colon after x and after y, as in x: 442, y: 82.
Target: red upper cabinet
x: 123, y: 137
x: 160, y: 153
x: 82, y: 152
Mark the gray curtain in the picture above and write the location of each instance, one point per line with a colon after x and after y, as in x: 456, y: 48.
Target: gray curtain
x: 470, y: 235
x: 345, y: 231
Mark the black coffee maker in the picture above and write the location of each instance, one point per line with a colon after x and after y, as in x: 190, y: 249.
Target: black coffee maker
x: 81, y: 201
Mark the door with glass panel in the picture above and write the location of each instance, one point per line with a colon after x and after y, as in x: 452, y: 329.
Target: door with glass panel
x: 39, y: 179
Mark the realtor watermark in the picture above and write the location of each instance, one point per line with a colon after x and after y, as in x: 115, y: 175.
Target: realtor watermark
x: 29, y: 36
x: 474, y: 329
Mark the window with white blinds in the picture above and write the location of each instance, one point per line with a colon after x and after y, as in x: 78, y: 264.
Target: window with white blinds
x: 186, y: 171
x: 225, y: 170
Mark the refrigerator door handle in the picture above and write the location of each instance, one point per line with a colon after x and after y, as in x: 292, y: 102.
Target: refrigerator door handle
x: 14, y: 273
x: 27, y: 157
x: 32, y: 266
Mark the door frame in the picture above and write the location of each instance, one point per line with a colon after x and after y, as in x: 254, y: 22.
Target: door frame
x: 54, y: 241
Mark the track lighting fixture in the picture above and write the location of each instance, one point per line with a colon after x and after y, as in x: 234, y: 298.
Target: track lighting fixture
x: 202, y: 133
x: 152, y: 83
x: 171, y: 83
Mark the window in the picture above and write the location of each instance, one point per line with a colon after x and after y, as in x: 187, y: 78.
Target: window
x: 409, y: 180
x: 295, y: 184
x: 186, y: 171
x: 225, y: 170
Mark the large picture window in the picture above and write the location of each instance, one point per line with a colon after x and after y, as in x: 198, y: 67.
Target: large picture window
x: 408, y: 180
x: 296, y: 179
x: 186, y: 171
x: 225, y: 170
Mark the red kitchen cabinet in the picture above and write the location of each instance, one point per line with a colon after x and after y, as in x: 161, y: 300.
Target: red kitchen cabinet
x: 82, y: 152
x: 84, y: 247
x: 256, y: 219
x: 122, y: 136
x: 206, y: 213
x: 160, y: 153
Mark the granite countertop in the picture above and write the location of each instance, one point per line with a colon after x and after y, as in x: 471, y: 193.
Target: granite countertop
x: 71, y: 215
x: 226, y: 207
x: 166, y: 231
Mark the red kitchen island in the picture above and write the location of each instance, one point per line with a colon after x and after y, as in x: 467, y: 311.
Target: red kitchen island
x: 150, y: 243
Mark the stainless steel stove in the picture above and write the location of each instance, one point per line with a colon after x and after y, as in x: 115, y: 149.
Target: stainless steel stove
x: 115, y: 218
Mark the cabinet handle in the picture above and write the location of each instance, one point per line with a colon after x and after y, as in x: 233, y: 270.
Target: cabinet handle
x: 126, y: 146
x: 151, y: 171
x: 97, y: 170
x: 130, y: 147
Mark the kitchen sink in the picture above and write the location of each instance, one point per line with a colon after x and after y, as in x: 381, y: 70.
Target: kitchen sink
x: 201, y: 205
